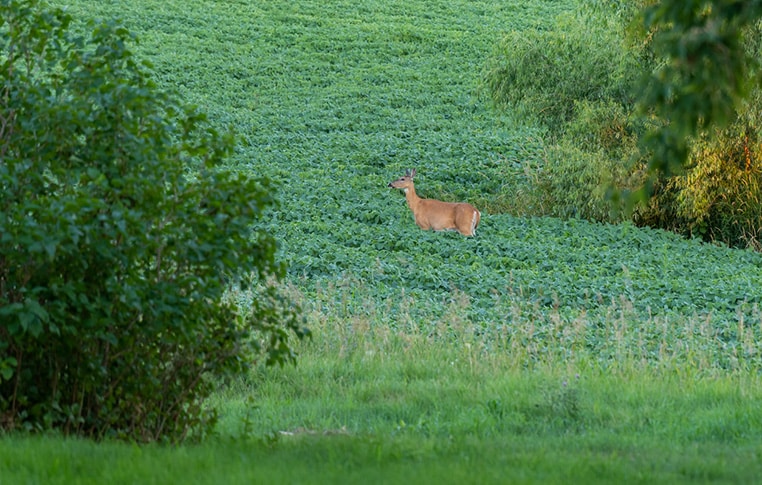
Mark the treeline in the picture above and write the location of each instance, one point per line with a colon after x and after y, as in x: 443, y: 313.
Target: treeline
x: 637, y: 99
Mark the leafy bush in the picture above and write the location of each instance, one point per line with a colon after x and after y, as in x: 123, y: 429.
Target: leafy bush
x: 719, y: 198
x: 708, y: 153
x: 581, y: 82
x: 577, y: 81
x: 544, y: 74
x: 574, y: 183
x: 580, y: 170
x: 115, y: 256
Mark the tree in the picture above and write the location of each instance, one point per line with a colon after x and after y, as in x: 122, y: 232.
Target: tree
x: 706, y: 74
x: 704, y: 98
x: 121, y: 237
x: 665, y: 120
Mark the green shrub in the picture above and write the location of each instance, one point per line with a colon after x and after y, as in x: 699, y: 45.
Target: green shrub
x: 716, y: 195
x: 580, y: 81
x: 574, y: 183
x: 544, y: 74
x: 719, y: 198
x: 593, y: 157
x: 576, y: 81
x: 115, y: 256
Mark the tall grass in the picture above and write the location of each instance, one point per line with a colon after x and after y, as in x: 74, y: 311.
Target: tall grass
x: 532, y: 402
x: 537, y: 372
x: 618, y: 338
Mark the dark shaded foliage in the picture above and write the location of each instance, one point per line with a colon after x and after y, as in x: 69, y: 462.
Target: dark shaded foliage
x: 120, y: 236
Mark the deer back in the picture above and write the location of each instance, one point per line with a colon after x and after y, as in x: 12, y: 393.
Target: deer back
x: 442, y: 216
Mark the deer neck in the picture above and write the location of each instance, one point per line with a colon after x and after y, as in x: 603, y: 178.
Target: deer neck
x: 412, y: 198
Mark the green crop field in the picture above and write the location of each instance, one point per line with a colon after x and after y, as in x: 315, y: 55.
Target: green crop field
x: 540, y: 351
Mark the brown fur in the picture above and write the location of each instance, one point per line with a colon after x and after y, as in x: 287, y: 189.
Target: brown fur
x: 435, y: 214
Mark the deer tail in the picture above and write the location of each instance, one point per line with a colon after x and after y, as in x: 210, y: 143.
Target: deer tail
x: 475, y: 221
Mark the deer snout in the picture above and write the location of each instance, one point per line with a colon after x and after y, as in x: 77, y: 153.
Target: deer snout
x: 390, y: 185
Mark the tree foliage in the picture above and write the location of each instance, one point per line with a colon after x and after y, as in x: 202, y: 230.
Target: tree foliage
x: 704, y: 73
x: 116, y: 257
x: 545, y: 74
x: 672, y: 122
x: 576, y: 81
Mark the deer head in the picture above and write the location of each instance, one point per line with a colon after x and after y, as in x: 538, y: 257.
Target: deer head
x: 405, y: 182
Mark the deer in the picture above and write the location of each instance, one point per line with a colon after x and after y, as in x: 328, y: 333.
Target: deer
x: 435, y: 214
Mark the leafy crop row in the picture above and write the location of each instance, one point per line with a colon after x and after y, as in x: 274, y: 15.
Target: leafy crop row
x: 553, y: 263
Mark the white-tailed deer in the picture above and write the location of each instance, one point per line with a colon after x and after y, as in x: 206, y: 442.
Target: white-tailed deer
x: 435, y: 214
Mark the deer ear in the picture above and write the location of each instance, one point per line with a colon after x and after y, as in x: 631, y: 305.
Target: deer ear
x: 412, y: 173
